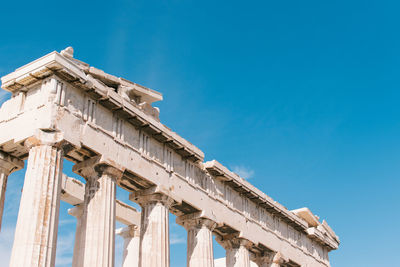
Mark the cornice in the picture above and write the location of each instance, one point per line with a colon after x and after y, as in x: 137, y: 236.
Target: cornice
x: 56, y: 64
x: 221, y: 173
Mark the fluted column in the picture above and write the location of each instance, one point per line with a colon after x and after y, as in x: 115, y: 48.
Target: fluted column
x: 199, y: 240
x: 98, y: 218
x: 154, y: 229
x: 237, y: 251
x: 77, y: 212
x: 8, y: 164
x: 36, y: 231
x: 131, y: 235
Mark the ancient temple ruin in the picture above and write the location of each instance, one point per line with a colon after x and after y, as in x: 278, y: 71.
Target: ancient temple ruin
x: 62, y: 108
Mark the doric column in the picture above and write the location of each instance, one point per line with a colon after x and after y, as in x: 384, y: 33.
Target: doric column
x: 237, y: 251
x: 36, y: 231
x: 8, y: 164
x: 77, y: 212
x: 154, y: 229
x: 98, y: 218
x: 199, y: 240
x: 131, y: 235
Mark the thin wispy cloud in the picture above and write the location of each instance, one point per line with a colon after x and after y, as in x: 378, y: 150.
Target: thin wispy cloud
x: 4, y: 95
x: 65, y: 245
x: 6, y: 242
x: 176, y: 239
x: 66, y: 222
x: 11, y: 207
x: 243, y: 171
x: 119, y: 250
x: 12, y: 200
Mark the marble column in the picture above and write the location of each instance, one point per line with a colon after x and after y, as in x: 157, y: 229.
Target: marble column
x: 98, y: 218
x: 237, y: 251
x: 131, y: 236
x: 8, y: 164
x: 36, y: 230
x: 154, y: 229
x: 77, y: 212
x: 199, y: 240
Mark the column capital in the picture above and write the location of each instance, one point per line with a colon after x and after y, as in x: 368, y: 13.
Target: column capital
x: 129, y: 231
x: 149, y: 196
x: 279, y: 258
x: 265, y: 258
x: 50, y: 138
x: 96, y: 166
x: 194, y: 220
x: 9, y: 163
x: 233, y: 241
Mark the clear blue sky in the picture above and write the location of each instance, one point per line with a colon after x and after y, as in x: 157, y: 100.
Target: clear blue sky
x: 301, y: 96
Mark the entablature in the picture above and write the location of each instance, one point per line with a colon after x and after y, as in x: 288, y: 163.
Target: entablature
x: 300, y: 222
x: 55, y: 63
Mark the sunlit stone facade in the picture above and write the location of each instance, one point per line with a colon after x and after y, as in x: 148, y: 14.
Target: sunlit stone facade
x: 62, y: 108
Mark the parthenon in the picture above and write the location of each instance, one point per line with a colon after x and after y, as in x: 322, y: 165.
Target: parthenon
x: 62, y: 108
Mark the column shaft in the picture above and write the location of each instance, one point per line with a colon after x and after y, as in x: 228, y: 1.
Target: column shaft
x: 237, y: 257
x: 98, y: 222
x: 200, y: 248
x: 36, y: 230
x: 154, y: 234
x: 77, y: 213
x: 199, y: 240
x: 131, y: 237
x: 237, y: 251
